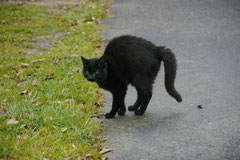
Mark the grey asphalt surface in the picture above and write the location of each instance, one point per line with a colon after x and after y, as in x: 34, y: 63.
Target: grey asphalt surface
x: 205, y: 36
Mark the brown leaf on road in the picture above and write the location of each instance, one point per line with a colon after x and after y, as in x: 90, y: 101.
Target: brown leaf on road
x: 200, y: 106
x: 105, y: 150
x: 104, y: 140
x: 109, y: 10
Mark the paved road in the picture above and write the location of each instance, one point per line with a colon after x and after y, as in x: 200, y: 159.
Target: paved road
x: 205, y: 36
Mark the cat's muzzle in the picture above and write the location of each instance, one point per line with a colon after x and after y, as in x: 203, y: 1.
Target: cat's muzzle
x: 91, y: 79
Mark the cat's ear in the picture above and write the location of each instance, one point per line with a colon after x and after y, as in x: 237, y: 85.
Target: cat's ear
x: 102, y: 63
x: 84, y: 60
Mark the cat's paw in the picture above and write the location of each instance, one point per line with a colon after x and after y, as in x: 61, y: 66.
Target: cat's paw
x: 108, y: 116
x: 132, y: 108
x: 121, y: 112
x: 138, y: 112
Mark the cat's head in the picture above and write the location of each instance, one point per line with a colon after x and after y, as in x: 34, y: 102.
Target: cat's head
x: 95, y: 69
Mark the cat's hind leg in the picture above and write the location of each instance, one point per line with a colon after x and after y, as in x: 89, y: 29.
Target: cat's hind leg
x: 145, y: 93
x: 137, y: 103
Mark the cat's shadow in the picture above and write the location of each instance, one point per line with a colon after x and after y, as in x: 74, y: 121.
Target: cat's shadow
x: 153, y: 118
x: 148, y: 121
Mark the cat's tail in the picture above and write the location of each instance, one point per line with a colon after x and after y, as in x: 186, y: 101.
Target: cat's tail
x: 170, y: 67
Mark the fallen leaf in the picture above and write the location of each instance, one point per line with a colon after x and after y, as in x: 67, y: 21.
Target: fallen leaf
x: 109, y: 10
x: 89, y: 155
x: 110, y: 16
x: 12, y: 121
x: 104, y: 158
x: 47, y: 118
x: 104, y: 140
x: 30, y: 94
x: 98, y: 104
x: 98, y: 115
x: 200, y: 106
x: 24, y: 92
x: 97, y: 120
x: 97, y: 46
x: 58, y: 60
x: 2, y: 111
x: 38, y: 60
x: 77, y: 69
x: 74, y: 55
x: 64, y: 130
x: 70, y: 74
x: 35, y: 82
x: 105, y: 150
x: 73, y: 146
x: 24, y: 65
x: 23, y: 136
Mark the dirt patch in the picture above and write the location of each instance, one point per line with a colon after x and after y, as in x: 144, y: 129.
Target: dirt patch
x: 42, y: 43
x: 59, y: 3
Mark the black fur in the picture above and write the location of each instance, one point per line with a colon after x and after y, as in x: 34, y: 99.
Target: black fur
x: 131, y: 60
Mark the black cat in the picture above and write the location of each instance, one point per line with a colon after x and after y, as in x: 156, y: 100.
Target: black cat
x: 131, y: 60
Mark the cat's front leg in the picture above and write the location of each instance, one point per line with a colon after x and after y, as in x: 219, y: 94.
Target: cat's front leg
x: 109, y: 115
x: 113, y: 111
x: 122, y: 110
x: 118, y: 104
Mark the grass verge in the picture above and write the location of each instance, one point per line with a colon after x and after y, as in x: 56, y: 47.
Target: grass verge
x: 46, y: 106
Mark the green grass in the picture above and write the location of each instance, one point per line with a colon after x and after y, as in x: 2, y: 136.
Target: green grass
x: 46, y: 93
